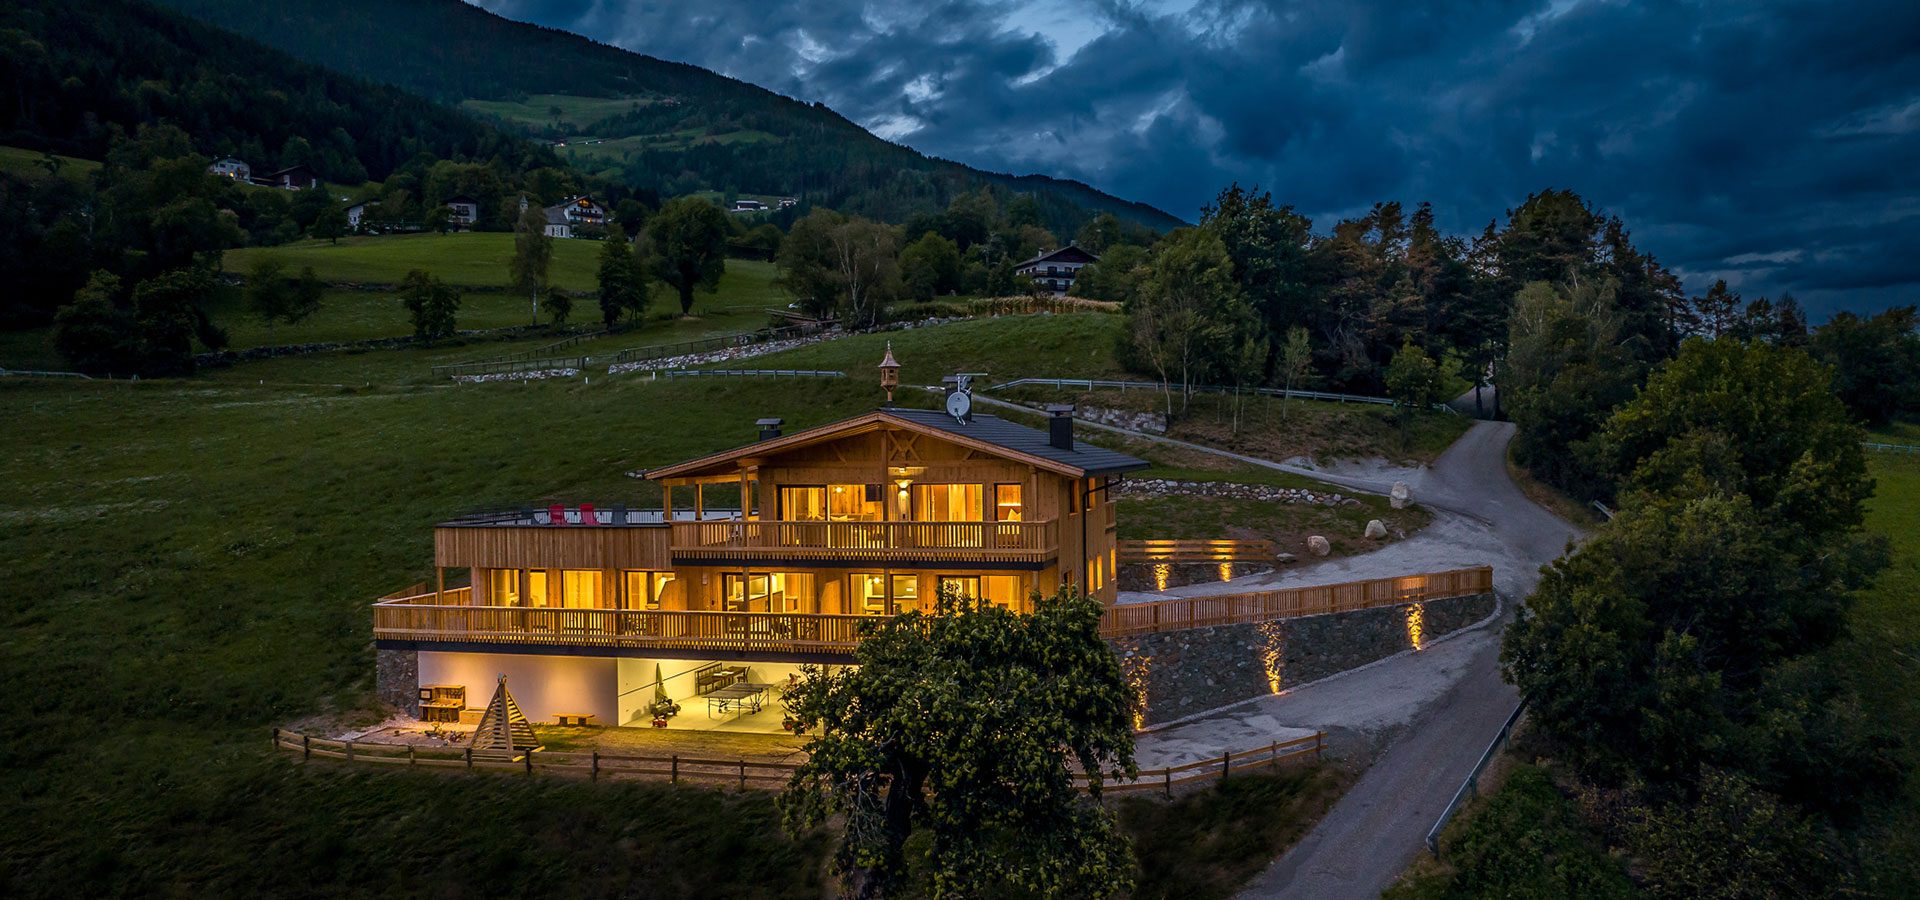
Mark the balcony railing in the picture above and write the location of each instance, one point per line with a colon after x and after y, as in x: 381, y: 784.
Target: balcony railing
x: 867, y: 541
x: 426, y: 618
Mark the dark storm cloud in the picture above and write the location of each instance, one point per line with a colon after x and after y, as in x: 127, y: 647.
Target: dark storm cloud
x: 1775, y: 144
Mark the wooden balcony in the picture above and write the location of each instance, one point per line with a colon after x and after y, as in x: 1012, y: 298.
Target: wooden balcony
x: 732, y: 541
x: 432, y: 619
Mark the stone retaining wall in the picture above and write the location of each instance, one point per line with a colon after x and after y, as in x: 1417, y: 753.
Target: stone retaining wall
x: 396, y: 679
x: 1149, y: 577
x: 1180, y: 673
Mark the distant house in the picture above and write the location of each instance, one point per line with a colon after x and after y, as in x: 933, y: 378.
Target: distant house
x: 292, y: 178
x: 231, y: 168
x: 1056, y: 270
x: 788, y: 202
x: 563, y: 219
x: 741, y: 206
x: 357, y: 213
x: 466, y: 211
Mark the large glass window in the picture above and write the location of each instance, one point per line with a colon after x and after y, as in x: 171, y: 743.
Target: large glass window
x: 855, y: 503
x: 644, y: 588
x: 963, y: 585
x: 871, y: 593
x: 948, y: 503
x: 580, y: 589
x: 752, y: 593
x: 537, y: 594
x: 503, y: 587
x: 1004, y: 591
x: 803, y: 504
x: 1006, y: 503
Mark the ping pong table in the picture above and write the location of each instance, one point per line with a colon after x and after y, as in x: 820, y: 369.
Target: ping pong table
x: 741, y: 696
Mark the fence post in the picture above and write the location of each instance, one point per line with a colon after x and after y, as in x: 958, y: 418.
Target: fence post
x: 306, y: 746
x: 743, y: 774
x: 1168, y: 772
x: 410, y: 760
x: 1226, y: 765
x: 469, y: 759
x: 595, y: 772
x: 676, y: 768
x: 529, y: 759
x: 276, y: 737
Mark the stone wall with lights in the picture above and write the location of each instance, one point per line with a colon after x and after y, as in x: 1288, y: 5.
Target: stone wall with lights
x: 1180, y: 673
x: 396, y: 679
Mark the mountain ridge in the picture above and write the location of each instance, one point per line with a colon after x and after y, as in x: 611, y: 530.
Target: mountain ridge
x: 729, y: 135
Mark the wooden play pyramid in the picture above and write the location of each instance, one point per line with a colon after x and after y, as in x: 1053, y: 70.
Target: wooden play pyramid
x: 504, y: 731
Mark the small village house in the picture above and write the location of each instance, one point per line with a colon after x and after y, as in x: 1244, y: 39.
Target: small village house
x: 758, y: 560
x: 228, y: 167
x: 574, y: 213
x: 466, y: 211
x: 292, y: 178
x: 1054, y: 271
x: 357, y: 213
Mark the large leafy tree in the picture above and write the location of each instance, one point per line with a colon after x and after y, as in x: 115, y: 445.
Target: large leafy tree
x: 431, y: 303
x: 623, y: 285
x: 1187, y: 311
x: 1564, y: 374
x: 1681, y: 635
x: 840, y: 266
x: 1875, y: 360
x: 688, y: 246
x: 968, y: 725
x: 930, y: 266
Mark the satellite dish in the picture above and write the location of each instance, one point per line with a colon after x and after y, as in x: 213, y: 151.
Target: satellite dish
x: 960, y: 404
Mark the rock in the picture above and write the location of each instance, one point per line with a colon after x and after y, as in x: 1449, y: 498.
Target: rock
x: 1400, y: 495
x: 1376, y: 529
x: 1284, y: 558
x: 1318, y: 545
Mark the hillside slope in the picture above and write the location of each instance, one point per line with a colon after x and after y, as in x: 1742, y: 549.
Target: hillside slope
x: 77, y: 71
x: 662, y: 126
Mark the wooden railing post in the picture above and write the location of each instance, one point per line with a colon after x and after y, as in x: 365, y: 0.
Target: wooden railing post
x: 594, y: 774
x: 1168, y: 774
x: 349, y: 751
x: 529, y: 759
x: 743, y: 774
x: 276, y: 737
x: 676, y: 768
x: 1226, y: 765
x: 306, y: 746
x: 469, y: 759
x: 410, y: 759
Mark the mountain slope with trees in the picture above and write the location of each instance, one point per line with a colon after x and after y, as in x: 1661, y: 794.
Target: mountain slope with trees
x: 682, y: 129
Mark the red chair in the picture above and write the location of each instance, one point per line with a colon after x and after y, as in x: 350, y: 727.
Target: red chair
x: 587, y: 516
x: 556, y: 515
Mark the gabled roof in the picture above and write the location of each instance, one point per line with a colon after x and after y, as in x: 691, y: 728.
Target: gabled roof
x: 1071, y: 253
x: 987, y: 433
x: 460, y: 198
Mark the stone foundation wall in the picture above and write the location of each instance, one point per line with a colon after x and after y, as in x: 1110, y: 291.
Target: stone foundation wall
x: 1180, y: 673
x: 1147, y: 577
x: 396, y: 679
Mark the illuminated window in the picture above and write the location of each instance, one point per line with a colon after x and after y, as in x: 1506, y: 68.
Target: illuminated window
x: 949, y: 502
x: 870, y: 593
x: 645, y: 588
x: 751, y: 593
x: 803, y: 504
x: 537, y: 588
x: 580, y: 589
x: 1003, y: 590
x: 963, y: 585
x: 855, y: 503
x: 503, y: 587
x: 1006, y: 503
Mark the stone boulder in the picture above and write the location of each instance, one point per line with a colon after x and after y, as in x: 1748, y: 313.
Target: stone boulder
x: 1376, y: 529
x: 1318, y: 545
x: 1401, y: 495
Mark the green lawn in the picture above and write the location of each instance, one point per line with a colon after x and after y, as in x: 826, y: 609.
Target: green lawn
x: 1207, y: 844
x: 30, y: 164
x: 468, y: 259
x: 536, y: 110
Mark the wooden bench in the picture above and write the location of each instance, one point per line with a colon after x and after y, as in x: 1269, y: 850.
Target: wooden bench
x: 571, y: 718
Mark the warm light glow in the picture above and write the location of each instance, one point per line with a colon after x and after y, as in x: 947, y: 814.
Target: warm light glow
x: 1273, y: 652
x: 1134, y: 667
x: 1226, y: 571
x: 1162, y: 572
x: 1416, y: 621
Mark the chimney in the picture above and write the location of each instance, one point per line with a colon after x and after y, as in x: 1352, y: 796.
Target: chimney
x: 769, y: 428
x: 1060, y: 425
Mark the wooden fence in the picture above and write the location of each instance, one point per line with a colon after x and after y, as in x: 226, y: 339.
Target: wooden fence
x: 1129, y: 619
x: 1196, y: 551
x: 744, y: 773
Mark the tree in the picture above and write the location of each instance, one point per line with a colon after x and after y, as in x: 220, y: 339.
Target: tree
x: 430, y: 303
x: 1114, y: 277
x: 1296, y: 363
x: 274, y: 298
x: 93, y: 333
x: 1718, y: 310
x: 930, y: 266
x: 623, y: 286
x: 688, y: 246
x: 1413, y: 381
x: 1184, y: 308
x: 332, y: 221
x: 1564, y: 374
x: 1876, y: 361
x: 964, y: 724
x: 169, y: 310
x: 438, y: 219
x: 559, y: 306
x: 840, y: 266
x: 532, y: 255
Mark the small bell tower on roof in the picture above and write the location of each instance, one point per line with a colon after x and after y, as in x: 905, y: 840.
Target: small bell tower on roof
x: 889, y: 373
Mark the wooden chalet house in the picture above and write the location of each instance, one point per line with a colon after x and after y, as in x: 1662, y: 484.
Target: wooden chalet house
x: 761, y: 558
x: 1055, y: 271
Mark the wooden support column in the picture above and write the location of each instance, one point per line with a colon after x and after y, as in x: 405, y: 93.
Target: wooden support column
x: 440, y: 585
